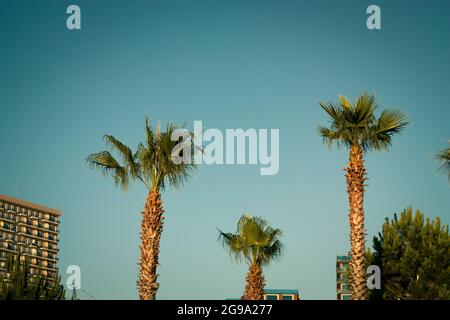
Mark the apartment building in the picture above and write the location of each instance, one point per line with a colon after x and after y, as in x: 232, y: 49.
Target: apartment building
x: 281, y: 294
x: 30, y: 231
x: 342, y: 283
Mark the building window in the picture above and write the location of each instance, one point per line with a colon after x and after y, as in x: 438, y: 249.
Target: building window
x: 271, y: 297
x: 346, y: 297
x: 288, y: 297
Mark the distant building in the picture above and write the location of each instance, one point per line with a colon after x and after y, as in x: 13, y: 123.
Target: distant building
x: 278, y: 294
x: 29, y: 231
x: 342, y: 283
x: 281, y: 294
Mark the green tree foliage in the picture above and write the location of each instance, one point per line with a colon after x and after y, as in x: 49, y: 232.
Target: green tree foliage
x: 18, y: 284
x: 255, y: 241
x: 413, y: 253
x: 152, y: 163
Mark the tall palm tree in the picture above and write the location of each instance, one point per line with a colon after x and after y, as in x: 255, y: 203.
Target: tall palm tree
x: 153, y: 165
x: 256, y: 242
x: 356, y: 127
x: 17, y: 283
x: 444, y: 158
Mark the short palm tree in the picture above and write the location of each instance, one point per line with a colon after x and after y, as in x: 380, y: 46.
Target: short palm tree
x: 356, y: 127
x: 153, y: 165
x: 258, y: 244
x: 444, y: 159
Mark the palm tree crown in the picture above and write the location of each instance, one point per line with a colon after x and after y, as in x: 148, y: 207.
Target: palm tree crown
x: 357, y: 125
x: 151, y: 164
x: 255, y: 241
x: 444, y: 158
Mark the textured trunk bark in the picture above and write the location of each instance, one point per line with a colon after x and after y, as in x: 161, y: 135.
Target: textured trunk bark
x: 151, y: 229
x: 355, y: 176
x: 254, y: 290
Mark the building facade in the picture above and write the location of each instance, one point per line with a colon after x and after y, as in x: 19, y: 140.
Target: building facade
x: 278, y: 294
x: 342, y: 284
x: 29, y: 231
x: 281, y: 294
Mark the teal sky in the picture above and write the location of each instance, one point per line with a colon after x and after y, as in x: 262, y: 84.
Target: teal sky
x: 231, y: 64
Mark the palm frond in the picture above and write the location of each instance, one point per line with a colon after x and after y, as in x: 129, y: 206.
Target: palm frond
x: 345, y: 103
x: 332, y: 110
x: 329, y: 136
x: 152, y: 163
x: 108, y: 165
x: 444, y: 161
x: 126, y: 154
x: 234, y: 245
x: 272, y: 252
x: 357, y: 125
x: 254, y: 241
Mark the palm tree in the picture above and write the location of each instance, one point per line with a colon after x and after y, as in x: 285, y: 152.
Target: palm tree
x: 153, y: 165
x: 444, y: 158
x: 258, y: 244
x: 356, y: 127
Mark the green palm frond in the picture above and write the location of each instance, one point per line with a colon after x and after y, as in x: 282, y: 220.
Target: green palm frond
x: 126, y: 154
x: 357, y: 125
x: 254, y: 241
x: 444, y: 161
x: 152, y: 163
x: 157, y: 163
x: 390, y: 122
x: 234, y: 244
x: 274, y: 251
x: 106, y: 163
x: 345, y: 103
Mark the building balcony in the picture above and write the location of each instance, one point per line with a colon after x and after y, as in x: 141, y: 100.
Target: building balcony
x: 37, y: 266
x: 7, y: 224
x: 39, y: 237
x: 344, y: 291
x: 9, y: 247
x: 41, y: 257
x: 343, y: 258
x: 51, y: 220
x: 4, y: 218
x: 55, y: 249
x: 38, y: 227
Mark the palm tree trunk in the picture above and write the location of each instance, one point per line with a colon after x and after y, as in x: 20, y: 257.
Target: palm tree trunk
x: 151, y: 229
x: 355, y: 177
x: 254, y: 290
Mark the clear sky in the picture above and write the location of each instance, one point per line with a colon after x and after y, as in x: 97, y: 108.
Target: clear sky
x: 230, y: 64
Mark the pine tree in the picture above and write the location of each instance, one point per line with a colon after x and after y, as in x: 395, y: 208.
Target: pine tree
x: 16, y: 283
x: 413, y: 253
